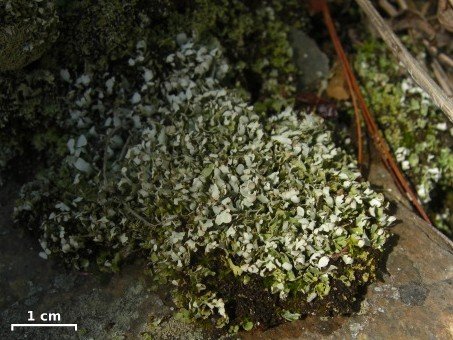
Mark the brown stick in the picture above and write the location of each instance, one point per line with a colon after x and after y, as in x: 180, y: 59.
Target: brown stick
x: 421, y: 77
x: 358, y: 128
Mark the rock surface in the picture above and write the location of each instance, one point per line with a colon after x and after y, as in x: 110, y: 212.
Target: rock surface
x: 311, y: 62
x: 414, y: 299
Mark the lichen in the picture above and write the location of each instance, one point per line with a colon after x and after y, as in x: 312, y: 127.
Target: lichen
x: 95, y: 36
x: 254, y: 35
x: 150, y: 147
x: 168, y: 163
x: 418, y: 133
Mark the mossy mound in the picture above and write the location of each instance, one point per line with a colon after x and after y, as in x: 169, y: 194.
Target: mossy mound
x: 172, y: 166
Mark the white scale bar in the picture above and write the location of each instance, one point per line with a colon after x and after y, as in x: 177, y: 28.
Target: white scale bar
x: 44, y: 325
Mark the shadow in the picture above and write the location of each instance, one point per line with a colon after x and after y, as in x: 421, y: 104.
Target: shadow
x: 392, y: 209
x: 381, y: 269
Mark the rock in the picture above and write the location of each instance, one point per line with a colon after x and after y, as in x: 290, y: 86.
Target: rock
x: 413, y: 294
x: 310, y: 61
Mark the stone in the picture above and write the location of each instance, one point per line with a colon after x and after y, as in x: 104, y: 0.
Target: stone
x: 413, y: 294
x: 310, y: 61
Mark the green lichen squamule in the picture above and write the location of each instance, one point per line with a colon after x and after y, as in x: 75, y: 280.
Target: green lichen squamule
x: 153, y: 154
x: 215, y: 195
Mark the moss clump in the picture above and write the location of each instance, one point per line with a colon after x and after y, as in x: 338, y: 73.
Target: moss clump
x: 254, y: 35
x: 101, y: 32
x: 30, y: 116
x: 28, y: 28
x: 417, y: 132
x: 97, y: 35
x: 167, y: 163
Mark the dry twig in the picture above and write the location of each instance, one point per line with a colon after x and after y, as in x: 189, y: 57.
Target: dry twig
x: 421, y: 77
x: 446, y: 60
x: 442, y: 77
x: 402, y: 4
x: 388, y: 7
x: 416, y: 22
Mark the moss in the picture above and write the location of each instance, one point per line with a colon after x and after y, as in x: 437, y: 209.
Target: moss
x: 30, y: 119
x: 28, y: 28
x: 254, y: 35
x: 418, y: 133
x: 99, y: 32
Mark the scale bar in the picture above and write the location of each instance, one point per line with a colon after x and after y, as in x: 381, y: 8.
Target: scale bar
x: 44, y: 325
